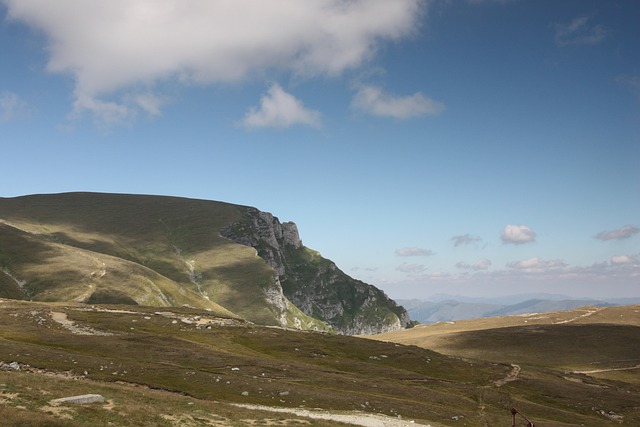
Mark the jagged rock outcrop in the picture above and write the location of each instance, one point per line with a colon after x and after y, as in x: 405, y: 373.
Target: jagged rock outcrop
x: 267, y: 235
x: 314, y: 284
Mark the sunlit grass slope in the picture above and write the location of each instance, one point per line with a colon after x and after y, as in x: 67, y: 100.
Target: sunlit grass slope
x: 594, y: 346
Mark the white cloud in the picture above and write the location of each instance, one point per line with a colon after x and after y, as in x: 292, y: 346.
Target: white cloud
x: 517, y: 234
x: 465, y: 239
x: 482, y: 264
x: 411, y: 268
x: 373, y: 100
x: 624, y: 260
x: 122, y: 45
x: 621, y: 233
x: 280, y: 109
x: 12, y: 107
x: 414, y: 252
x: 579, y: 32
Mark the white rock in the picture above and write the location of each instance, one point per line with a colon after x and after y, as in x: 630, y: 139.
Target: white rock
x: 80, y: 400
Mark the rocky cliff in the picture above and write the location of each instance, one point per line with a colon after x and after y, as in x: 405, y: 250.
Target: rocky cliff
x: 314, y: 284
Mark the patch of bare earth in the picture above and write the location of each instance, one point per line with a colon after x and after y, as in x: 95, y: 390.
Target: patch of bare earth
x: 62, y: 319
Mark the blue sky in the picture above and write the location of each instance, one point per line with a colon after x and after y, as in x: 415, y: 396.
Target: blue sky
x: 477, y: 148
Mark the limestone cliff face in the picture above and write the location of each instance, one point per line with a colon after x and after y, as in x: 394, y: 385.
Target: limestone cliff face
x: 314, y: 284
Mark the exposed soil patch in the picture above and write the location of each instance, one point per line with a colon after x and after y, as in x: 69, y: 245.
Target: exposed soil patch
x: 70, y: 325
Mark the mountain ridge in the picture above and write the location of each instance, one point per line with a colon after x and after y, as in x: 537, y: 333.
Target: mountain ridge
x: 163, y: 251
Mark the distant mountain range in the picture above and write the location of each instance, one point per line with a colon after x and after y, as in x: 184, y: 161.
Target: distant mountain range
x: 447, y: 308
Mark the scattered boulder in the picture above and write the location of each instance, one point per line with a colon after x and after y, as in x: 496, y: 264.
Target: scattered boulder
x: 13, y: 366
x: 80, y: 400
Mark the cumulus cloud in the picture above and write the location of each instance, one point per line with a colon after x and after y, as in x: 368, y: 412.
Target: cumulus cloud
x: 517, y: 234
x: 11, y: 107
x: 373, y: 100
x: 413, y: 251
x: 411, y: 268
x: 482, y: 264
x: 621, y: 233
x: 122, y: 45
x: 579, y: 32
x: 535, y: 265
x: 280, y: 109
x: 465, y: 239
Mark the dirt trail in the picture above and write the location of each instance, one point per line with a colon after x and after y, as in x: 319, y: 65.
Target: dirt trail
x: 598, y: 371
x: 511, y: 376
x: 590, y: 312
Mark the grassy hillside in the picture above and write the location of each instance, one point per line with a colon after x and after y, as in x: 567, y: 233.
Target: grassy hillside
x: 150, y: 250
x: 586, y: 353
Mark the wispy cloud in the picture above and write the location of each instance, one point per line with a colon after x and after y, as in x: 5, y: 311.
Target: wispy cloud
x: 12, y: 107
x: 482, y: 264
x: 117, y: 46
x: 632, y: 82
x: 579, y: 32
x: 489, y: 1
x: 465, y: 239
x: 411, y: 268
x: 373, y: 100
x: 413, y: 251
x: 280, y: 109
x: 149, y: 102
x: 621, y: 233
x: 536, y: 265
x: 517, y: 234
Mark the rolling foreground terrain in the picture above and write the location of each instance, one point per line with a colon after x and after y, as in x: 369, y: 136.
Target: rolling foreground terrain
x: 192, y: 367
x: 581, y: 366
x: 168, y: 251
